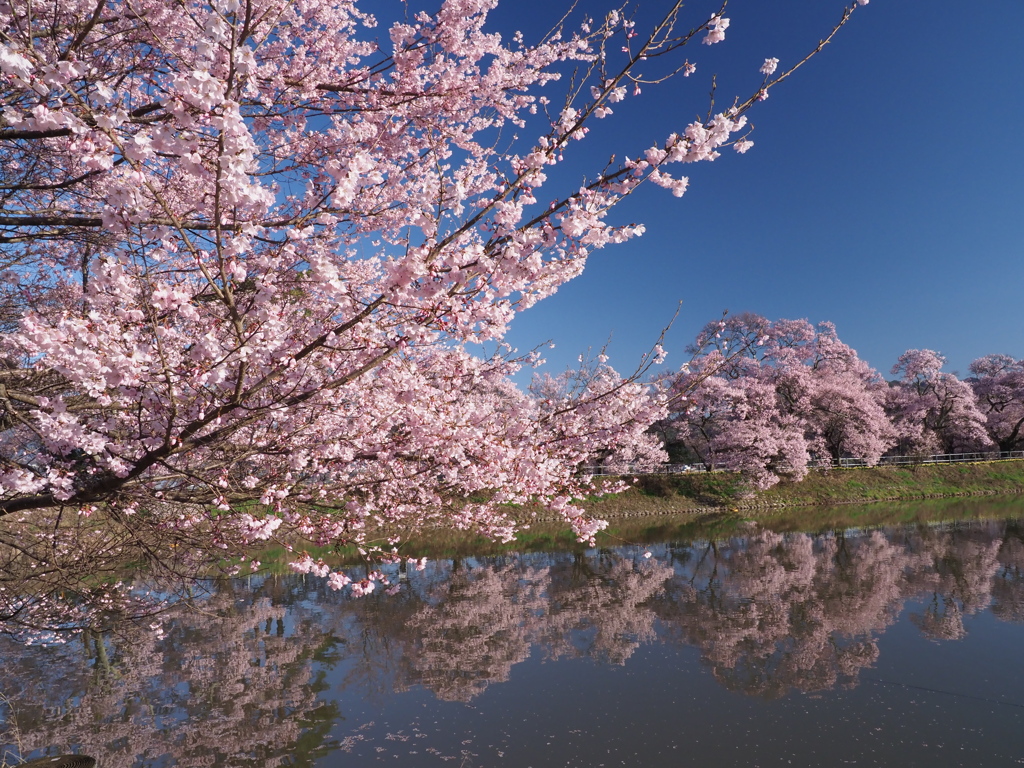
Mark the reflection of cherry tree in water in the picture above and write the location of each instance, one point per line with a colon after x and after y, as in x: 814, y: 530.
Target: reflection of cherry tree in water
x: 600, y: 607
x: 773, y: 613
x: 777, y: 612
x: 962, y: 562
x: 239, y: 683
x: 1008, y: 585
x: 770, y: 612
x: 457, y: 628
x: 473, y: 628
x: 231, y: 684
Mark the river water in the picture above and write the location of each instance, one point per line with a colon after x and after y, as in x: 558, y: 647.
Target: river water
x: 895, y: 646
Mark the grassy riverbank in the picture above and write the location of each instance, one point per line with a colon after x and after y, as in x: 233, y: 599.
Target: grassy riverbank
x: 710, y: 506
x: 702, y: 506
x: 717, y: 525
x: 704, y: 492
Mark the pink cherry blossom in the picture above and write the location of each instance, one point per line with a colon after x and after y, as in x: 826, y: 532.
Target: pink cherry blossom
x: 766, y: 398
x: 716, y: 30
x: 933, y: 411
x: 998, y: 383
x: 255, y: 247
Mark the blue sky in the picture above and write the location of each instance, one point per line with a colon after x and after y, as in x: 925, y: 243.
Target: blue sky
x: 885, y: 190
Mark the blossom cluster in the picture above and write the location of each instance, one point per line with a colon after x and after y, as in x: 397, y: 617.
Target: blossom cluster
x: 249, y: 249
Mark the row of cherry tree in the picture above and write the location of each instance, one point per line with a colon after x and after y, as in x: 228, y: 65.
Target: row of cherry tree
x: 769, y: 398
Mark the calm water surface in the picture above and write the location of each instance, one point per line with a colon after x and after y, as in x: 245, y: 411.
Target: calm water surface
x: 894, y: 647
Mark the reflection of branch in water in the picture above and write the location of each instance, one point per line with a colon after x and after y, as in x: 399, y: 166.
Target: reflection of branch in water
x: 11, y: 733
x: 61, y: 761
x: 231, y: 685
x: 94, y: 570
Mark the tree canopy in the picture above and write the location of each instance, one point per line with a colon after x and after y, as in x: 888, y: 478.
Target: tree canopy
x: 250, y: 247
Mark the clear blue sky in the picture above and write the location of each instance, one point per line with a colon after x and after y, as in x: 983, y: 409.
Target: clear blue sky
x: 885, y: 190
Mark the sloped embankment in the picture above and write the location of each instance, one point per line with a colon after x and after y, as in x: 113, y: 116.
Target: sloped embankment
x: 700, y: 492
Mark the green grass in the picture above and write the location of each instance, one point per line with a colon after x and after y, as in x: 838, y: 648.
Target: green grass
x: 925, y: 481
x: 703, y: 506
x: 667, y: 494
x: 688, y: 527
x: 699, y: 492
x: 817, y: 519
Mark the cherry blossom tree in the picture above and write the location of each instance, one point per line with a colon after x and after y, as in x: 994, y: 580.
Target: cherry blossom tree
x: 934, y: 411
x: 768, y: 397
x: 736, y: 424
x: 998, y: 383
x: 46, y: 584
x: 245, y: 244
x: 838, y: 396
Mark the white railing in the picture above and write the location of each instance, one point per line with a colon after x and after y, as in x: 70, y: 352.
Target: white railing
x: 844, y: 463
x: 938, y: 458
x: 644, y: 469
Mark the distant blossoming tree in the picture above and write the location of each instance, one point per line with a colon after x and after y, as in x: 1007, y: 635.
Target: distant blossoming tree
x: 769, y: 397
x: 934, y: 411
x: 999, y: 386
x: 245, y: 243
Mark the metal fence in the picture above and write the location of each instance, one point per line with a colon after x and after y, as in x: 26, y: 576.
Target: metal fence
x: 844, y: 463
x: 938, y: 458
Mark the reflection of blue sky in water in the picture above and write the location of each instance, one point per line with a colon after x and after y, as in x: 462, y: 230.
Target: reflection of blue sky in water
x: 877, y: 648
